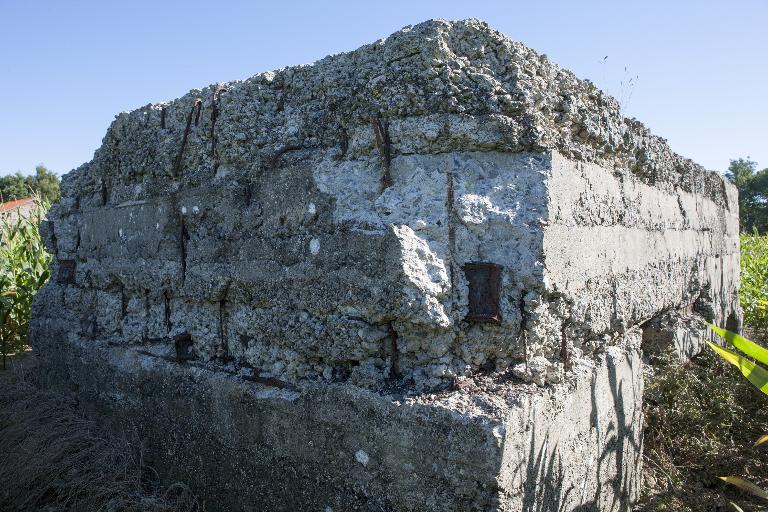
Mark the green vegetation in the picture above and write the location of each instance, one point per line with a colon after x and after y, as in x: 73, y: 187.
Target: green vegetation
x: 754, y: 281
x: 701, y: 422
x: 43, y: 183
x: 24, y: 268
x: 54, y: 458
x: 753, y: 194
x: 756, y: 374
x: 703, y: 418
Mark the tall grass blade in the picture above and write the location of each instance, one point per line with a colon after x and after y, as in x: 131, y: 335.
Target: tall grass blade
x: 750, y: 348
x: 755, y: 374
x: 745, y: 485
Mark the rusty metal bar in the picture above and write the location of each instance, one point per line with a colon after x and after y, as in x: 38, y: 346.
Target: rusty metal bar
x: 381, y: 134
x: 177, y: 164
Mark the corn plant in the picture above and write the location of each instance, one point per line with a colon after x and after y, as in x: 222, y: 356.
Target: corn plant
x: 745, y: 357
x: 754, y: 280
x: 24, y: 268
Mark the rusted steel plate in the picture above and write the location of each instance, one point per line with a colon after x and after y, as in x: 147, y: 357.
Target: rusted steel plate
x: 484, y: 291
x: 66, y: 273
x: 183, y: 344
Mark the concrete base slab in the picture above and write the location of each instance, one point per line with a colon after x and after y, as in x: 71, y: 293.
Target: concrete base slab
x: 494, y: 444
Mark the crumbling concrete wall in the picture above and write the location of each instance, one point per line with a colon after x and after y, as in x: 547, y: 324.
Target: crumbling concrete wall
x: 320, y: 228
x: 489, y: 444
x: 620, y: 253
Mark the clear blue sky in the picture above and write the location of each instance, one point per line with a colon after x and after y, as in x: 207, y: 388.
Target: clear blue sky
x: 68, y: 67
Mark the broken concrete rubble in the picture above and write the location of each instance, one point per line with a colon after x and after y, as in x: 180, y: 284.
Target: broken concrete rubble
x: 338, y: 278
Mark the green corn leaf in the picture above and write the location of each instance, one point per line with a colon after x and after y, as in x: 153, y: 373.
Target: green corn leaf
x: 755, y: 374
x: 750, y: 348
x: 744, y: 485
x: 735, y: 507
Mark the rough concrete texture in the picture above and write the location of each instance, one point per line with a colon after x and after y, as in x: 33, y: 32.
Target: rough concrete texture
x: 493, y: 444
x: 309, y: 230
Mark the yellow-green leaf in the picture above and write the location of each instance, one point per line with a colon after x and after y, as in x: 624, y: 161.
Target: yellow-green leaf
x: 755, y: 374
x: 750, y: 348
x: 761, y: 440
x: 746, y: 486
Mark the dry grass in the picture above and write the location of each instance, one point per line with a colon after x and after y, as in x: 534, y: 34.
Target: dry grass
x: 701, y: 420
x: 54, y: 459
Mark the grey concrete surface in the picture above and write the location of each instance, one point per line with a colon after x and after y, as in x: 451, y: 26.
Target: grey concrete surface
x: 255, y: 256
x: 491, y: 444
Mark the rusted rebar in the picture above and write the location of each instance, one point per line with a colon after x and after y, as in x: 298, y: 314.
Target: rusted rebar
x: 177, y: 164
x: 381, y: 133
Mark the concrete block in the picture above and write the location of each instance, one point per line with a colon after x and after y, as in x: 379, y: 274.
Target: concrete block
x: 414, y: 276
x: 254, y: 444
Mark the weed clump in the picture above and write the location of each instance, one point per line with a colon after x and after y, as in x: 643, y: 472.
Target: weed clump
x: 55, y: 459
x: 701, y: 421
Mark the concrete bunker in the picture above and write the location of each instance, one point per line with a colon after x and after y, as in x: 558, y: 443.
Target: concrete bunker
x: 415, y: 276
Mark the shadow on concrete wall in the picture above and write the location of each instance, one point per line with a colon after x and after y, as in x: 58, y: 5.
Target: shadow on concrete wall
x: 618, y: 479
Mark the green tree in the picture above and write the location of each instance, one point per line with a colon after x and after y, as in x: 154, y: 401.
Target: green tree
x: 44, y: 182
x: 753, y: 194
x: 12, y: 187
